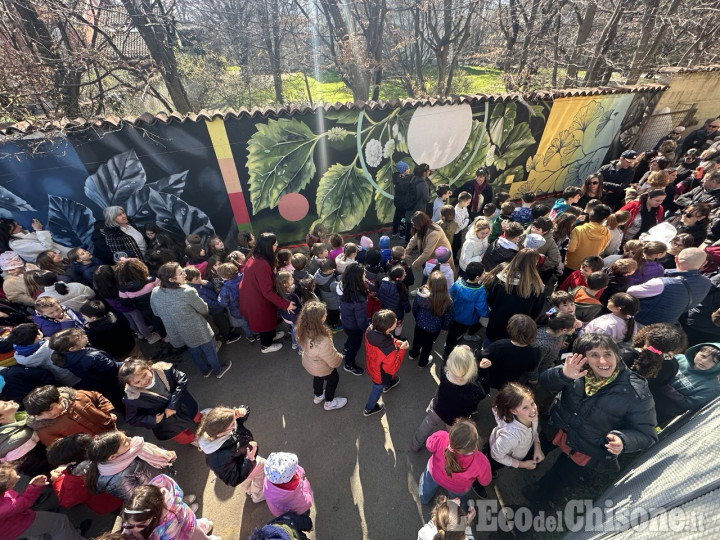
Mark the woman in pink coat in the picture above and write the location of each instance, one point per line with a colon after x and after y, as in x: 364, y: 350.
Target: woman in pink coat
x: 258, y: 300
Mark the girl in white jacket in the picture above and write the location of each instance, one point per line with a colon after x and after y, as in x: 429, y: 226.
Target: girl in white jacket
x: 476, y: 243
x: 515, y: 442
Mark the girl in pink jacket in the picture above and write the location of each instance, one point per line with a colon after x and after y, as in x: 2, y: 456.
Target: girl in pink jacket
x: 286, y: 489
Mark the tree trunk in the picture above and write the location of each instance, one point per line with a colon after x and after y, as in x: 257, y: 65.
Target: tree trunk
x: 660, y: 34
x: 595, y: 71
x: 418, y: 53
x: 647, y: 25
x: 556, y: 50
x: 528, y: 36
x: 583, y: 34
x: 158, y: 43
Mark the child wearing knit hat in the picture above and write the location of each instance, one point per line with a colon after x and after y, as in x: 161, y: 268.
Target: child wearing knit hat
x: 440, y: 262
x: 285, y: 487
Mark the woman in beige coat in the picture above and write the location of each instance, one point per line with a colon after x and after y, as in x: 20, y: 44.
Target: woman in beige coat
x: 319, y: 356
x: 427, y: 238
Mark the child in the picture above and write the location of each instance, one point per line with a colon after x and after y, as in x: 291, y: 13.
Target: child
x: 394, y: 295
x: 33, y: 350
x: 523, y: 215
x: 285, y: 287
x: 353, y: 293
x: 629, y: 250
x: 107, y: 332
x: 614, y: 224
x: 433, y: 311
x: 215, y: 247
x: 217, y: 309
x: 469, y: 305
x: 587, y: 306
x: 84, y: 263
x: 448, y: 520
x: 319, y: 356
x: 462, y: 218
x: 245, y: 241
x: 135, y: 285
x: 299, y: 263
x: 346, y: 258
x: 514, y: 359
x: 336, y: 243
x: 570, y: 195
x: 440, y: 263
x: 365, y: 244
x: 443, y: 193
x: 588, y: 239
x: 69, y: 457
x: 230, y: 298
x: 620, y: 322
x: 283, y: 261
x: 56, y: 413
x: 455, y: 463
x: 385, y: 250
x: 195, y: 256
x: 157, y: 398
x: 476, y: 243
x: 326, y: 282
x: 619, y: 274
x: 157, y: 510
x: 18, y: 519
x: 319, y: 253
x: 230, y: 450
x: 578, y: 278
x: 383, y: 356
x: 316, y: 236
x: 490, y: 211
x: 305, y: 290
x: 398, y: 257
x: 648, y: 266
x: 550, y: 339
x: 504, y: 248
x: 97, y: 371
x: 447, y: 222
x: 497, y: 223
x: 285, y: 487
x: 374, y: 271
x: 697, y: 381
x: 70, y: 295
x: 515, y: 441
x: 193, y: 240
x: 458, y: 395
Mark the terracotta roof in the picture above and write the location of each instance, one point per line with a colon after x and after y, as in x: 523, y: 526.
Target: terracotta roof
x: 44, y: 126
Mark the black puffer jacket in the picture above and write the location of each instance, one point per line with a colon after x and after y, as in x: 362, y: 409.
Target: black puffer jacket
x: 625, y: 408
x: 230, y: 462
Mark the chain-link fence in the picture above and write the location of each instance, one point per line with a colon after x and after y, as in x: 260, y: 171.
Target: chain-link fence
x: 656, y: 126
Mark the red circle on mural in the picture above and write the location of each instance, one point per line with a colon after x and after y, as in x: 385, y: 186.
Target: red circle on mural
x: 293, y: 206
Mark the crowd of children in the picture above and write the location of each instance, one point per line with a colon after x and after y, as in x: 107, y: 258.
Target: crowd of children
x: 536, y: 282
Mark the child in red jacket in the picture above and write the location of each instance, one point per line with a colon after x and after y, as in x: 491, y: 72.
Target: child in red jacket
x: 383, y: 356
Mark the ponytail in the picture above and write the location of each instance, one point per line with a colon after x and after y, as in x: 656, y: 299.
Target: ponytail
x: 61, y: 288
x: 396, y: 274
x: 463, y: 440
x: 628, y: 306
x: 451, y: 462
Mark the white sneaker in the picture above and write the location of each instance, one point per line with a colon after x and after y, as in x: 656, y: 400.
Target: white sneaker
x: 224, y: 370
x: 153, y: 338
x: 317, y: 400
x: 468, y: 337
x: 271, y: 348
x: 337, y: 403
x: 279, y: 335
x: 294, y: 346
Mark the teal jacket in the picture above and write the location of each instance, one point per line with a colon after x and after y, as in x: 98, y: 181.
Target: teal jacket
x: 699, y: 387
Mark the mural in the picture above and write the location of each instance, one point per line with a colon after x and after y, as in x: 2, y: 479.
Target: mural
x: 578, y: 134
x: 285, y: 172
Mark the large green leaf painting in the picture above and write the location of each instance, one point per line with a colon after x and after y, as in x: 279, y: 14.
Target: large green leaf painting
x: 343, y: 197
x: 470, y: 159
x: 502, y: 121
x: 280, y: 161
x: 383, y: 206
x: 116, y: 180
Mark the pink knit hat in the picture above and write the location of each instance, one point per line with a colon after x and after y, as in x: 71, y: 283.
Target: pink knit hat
x: 365, y: 242
x: 10, y: 260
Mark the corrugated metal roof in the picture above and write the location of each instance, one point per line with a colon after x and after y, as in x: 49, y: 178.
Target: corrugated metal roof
x: 114, y: 122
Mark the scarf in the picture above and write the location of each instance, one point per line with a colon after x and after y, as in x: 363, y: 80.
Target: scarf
x: 478, y: 198
x: 148, y: 452
x: 208, y: 446
x: 28, y: 350
x: 593, y: 384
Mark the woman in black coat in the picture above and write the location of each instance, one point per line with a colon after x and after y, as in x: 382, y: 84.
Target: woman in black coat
x: 157, y: 398
x: 602, y: 409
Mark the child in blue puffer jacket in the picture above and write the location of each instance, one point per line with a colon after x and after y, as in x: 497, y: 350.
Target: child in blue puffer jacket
x: 469, y: 305
x: 230, y: 298
x: 385, y: 250
x: 217, y: 310
x: 394, y: 295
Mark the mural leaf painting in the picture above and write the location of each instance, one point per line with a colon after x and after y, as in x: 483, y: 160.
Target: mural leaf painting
x: 116, y: 180
x: 604, y: 121
x: 502, y: 121
x: 343, y: 197
x: 137, y: 205
x: 470, y: 159
x: 383, y: 206
x: 280, y: 161
x: 12, y: 203
x: 511, y: 175
x: 178, y: 217
x: 70, y: 222
x: 345, y: 117
x: 516, y: 143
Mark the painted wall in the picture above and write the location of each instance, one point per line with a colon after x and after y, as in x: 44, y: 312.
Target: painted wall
x: 285, y: 173
x: 687, y: 88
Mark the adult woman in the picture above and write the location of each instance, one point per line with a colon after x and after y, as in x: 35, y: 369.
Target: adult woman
x: 258, y: 300
x: 480, y: 189
x: 427, y: 238
x: 53, y: 261
x: 25, y: 243
x: 694, y: 220
x: 183, y: 314
x: 602, y: 410
x: 13, y: 283
x: 121, y: 236
x: 517, y: 289
x: 595, y: 188
x: 645, y: 213
x: 157, y: 512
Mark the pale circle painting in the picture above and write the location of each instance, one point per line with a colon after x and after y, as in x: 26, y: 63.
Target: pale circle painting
x: 437, y: 135
x: 293, y: 206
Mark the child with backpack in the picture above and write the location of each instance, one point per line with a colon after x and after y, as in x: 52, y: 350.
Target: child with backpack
x: 398, y: 257
x: 394, y: 295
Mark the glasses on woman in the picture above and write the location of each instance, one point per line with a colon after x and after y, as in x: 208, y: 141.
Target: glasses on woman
x: 594, y: 183
x: 688, y: 214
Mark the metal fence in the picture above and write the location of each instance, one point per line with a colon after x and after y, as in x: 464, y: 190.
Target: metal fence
x: 656, y: 126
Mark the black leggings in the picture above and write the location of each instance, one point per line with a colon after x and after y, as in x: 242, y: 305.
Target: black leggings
x: 266, y: 338
x: 330, y: 382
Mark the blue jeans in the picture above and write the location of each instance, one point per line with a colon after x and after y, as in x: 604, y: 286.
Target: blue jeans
x: 211, y: 360
x: 427, y: 488
x: 375, y: 394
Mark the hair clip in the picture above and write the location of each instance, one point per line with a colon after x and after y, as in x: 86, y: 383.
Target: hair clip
x: 551, y: 312
x: 136, y: 511
x: 654, y: 350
